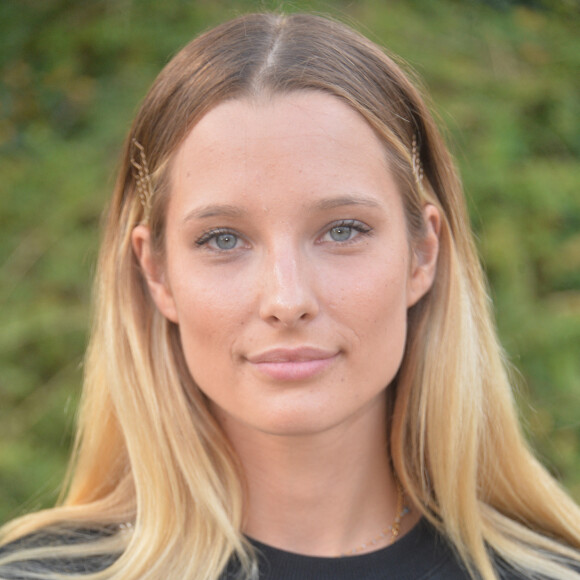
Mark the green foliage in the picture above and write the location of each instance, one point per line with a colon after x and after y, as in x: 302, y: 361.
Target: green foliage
x: 503, y: 75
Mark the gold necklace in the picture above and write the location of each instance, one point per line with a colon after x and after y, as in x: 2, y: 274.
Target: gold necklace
x: 390, y: 533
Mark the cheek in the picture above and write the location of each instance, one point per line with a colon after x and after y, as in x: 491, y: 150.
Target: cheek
x: 208, y: 314
x: 212, y: 313
x: 207, y: 335
x: 373, y: 292
x: 372, y: 306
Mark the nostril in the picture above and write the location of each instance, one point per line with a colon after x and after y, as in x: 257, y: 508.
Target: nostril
x: 288, y: 316
x: 286, y: 291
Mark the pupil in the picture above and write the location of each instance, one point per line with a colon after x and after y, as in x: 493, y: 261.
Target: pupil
x: 226, y: 241
x: 340, y: 233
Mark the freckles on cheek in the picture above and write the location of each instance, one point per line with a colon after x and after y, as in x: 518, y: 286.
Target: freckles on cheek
x: 384, y: 309
x: 210, y: 311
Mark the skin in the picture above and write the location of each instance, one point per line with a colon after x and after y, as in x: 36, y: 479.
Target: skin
x: 289, y: 271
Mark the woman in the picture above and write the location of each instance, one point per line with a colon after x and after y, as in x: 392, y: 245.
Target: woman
x: 293, y: 358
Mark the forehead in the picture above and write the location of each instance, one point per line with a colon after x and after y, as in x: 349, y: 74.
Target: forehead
x: 292, y: 115
x: 302, y: 142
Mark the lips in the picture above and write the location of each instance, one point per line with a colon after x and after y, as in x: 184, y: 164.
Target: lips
x: 292, y: 364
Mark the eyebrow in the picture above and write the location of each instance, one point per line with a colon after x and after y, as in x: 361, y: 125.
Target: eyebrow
x: 233, y: 211
x: 214, y: 210
x: 343, y: 200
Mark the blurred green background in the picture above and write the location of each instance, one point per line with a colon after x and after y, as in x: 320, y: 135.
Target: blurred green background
x: 504, y: 79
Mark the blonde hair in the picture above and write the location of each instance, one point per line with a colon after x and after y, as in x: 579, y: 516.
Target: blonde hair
x: 149, y: 452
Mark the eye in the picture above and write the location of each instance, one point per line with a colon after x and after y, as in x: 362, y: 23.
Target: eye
x: 345, y: 230
x: 225, y: 241
x: 341, y: 233
x: 220, y: 240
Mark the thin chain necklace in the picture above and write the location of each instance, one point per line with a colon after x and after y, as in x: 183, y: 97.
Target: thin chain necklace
x: 390, y: 533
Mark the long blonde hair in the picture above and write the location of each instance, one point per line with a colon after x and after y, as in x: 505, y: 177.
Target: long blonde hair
x: 149, y: 452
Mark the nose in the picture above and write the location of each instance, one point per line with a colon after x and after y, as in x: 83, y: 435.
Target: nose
x: 288, y: 296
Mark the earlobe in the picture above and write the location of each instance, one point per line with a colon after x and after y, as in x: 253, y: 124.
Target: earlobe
x: 425, y: 253
x: 153, y: 272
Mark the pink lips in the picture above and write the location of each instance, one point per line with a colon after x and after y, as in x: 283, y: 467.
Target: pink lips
x: 292, y: 364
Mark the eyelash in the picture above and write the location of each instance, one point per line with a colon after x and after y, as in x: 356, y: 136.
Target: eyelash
x: 210, y: 235
x: 352, y: 224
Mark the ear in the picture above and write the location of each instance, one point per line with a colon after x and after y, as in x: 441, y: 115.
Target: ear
x: 154, y: 272
x: 424, y: 259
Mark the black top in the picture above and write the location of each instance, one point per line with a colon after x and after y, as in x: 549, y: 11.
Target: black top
x: 419, y: 555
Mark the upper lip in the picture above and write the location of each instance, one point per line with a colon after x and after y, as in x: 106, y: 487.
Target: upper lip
x: 301, y: 354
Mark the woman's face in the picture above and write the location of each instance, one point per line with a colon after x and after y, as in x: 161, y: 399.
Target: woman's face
x: 287, y: 266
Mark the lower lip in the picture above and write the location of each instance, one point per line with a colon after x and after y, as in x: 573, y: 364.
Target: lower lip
x: 294, y: 370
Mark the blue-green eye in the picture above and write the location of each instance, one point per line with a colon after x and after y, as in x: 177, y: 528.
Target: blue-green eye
x: 346, y: 231
x: 341, y: 233
x: 225, y: 241
x: 220, y: 240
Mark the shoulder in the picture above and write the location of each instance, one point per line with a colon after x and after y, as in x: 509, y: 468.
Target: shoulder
x: 56, y: 552
x: 421, y: 554
x: 444, y: 563
x: 505, y: 572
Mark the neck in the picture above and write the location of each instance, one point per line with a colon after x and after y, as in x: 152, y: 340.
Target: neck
x: 319, y: 493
